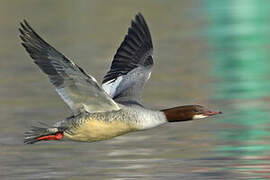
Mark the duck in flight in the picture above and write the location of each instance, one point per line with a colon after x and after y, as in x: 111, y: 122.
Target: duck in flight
x: 112, y: 109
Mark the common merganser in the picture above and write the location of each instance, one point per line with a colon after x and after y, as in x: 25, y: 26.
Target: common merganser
x: 110, y: 110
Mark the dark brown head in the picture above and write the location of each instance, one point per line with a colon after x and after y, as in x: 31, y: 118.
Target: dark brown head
x: 188, y: 112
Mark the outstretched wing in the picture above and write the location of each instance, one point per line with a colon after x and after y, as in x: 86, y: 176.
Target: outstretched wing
x: 77, y: 89
x: 131, y: 65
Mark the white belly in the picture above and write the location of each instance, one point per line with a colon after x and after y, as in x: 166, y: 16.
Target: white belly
x: 97, y: 130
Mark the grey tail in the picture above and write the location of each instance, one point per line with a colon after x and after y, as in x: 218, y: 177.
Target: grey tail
x: 44, y: 133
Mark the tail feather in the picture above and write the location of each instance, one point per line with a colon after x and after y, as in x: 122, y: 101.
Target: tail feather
x: 36, y: 134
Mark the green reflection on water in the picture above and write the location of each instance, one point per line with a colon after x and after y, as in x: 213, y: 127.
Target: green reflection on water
x: 238, y: 33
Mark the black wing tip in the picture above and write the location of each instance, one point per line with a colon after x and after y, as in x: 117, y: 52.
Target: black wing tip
x: 26, y: 30
x: 136, y: 49
x: 139, y: 16
x: 140, y: 21
x: 24, y: 23
x: 23, y: 26
x: 31, y: 41
x: 139, y: 30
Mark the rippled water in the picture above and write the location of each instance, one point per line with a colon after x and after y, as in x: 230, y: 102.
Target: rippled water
x: 214, y: 53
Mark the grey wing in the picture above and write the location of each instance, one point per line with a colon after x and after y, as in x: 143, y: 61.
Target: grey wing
x: 76, y: 88
x: 132, y: 64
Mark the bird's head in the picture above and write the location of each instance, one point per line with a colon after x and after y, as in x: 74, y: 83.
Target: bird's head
x: 188, y: 112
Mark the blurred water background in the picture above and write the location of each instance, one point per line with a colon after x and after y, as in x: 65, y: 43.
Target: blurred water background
x: 209, y: 52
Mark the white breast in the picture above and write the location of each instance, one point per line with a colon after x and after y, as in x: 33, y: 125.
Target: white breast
x: 145, y: 118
